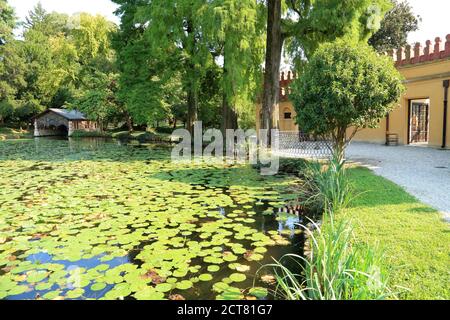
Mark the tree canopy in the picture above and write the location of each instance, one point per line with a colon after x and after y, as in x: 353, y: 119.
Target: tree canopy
x: 395, y: 27
x: 345, y: 86
x: 7, y: 21
x: 59, y: 60
x: 177, y: 61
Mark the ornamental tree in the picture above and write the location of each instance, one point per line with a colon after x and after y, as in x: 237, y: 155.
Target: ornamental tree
x: 345, y: 86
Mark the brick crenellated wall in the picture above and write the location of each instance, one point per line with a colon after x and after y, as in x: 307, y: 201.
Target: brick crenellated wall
x: 410, y: 55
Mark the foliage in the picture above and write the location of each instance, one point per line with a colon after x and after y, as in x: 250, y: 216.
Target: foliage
x: 335, y: 270
x: 345, y: 86
x: 7, y: 21
x: 395, y: 27
x: 327, y: 187
x: 311, y: 23
x: 304, y: 25
x: 59, y: 61
x: 147, y: 93
x: 238, y: 36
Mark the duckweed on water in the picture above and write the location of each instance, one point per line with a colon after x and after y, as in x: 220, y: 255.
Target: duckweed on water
x: 97, y: 220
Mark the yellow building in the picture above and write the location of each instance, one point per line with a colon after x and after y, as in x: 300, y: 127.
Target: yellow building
x: 422, y: 116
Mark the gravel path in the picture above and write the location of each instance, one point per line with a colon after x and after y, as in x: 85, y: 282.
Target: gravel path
x: 423, y: 172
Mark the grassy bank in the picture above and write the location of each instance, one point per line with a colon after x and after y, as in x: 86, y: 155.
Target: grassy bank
x: 10, y: 133
x: 414, y: 237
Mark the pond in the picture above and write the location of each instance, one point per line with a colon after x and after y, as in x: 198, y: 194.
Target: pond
x: 97, y: 219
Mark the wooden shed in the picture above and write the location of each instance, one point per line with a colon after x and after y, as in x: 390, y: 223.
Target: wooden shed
x: 62, y: 122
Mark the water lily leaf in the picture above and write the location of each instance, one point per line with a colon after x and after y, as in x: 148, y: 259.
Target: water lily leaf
x: 205, y: 277
x: 259, y: 292
x: 184, y: 285
x: 74, y: 294
x: 99, y: 286
x: 149, y: 293
x: 238, y: 277
x: 213, y: 268
x: 36, y: 276
x: 163, y: 287
x: 44, y: 286
x: 52, y: 295
x: 17, y: 290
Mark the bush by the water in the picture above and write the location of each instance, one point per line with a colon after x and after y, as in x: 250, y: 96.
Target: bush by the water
x: 327, y: 187
x: 334, y: 270
x: 331, y: 268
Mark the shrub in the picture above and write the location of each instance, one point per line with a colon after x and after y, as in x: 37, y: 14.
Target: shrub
x: 334, y: 270
x: 327, y: 187
x: 345, y: 86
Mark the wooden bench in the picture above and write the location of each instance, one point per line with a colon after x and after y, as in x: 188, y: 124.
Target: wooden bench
x: 392, y: 139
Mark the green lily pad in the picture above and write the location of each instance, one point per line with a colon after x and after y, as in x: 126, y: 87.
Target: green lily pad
x: 238, y: 277
x: 184, y: 285
x: 258, y: 292
x: 163, y: 287
x: 205, y: 277
x: 213, y: 268
x: 99, y: 286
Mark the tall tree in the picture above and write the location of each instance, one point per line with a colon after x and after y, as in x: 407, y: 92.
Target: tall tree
x: 307, y: 23
x: 11, y: 65
x: 174, y: 29
x: 7, y: 21
x: 238, y: 33
x: 96, y: 81
x: 395, y: 27
x: 143, y: 79
x: 274, y: 47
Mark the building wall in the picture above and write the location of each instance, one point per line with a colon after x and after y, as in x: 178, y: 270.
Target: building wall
x: 87, y: 126
x: 423, y: 81
x: 279, y: 121
x: 47, y: 125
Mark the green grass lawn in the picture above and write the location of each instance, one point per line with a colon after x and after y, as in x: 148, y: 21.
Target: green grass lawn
x: 415, y: 239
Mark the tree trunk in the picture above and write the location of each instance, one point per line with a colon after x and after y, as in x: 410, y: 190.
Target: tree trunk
x: 340, y: 143
x: 229, y: 115
x: 273, y: 63
x: 129, y: 123
x: 192, y: 107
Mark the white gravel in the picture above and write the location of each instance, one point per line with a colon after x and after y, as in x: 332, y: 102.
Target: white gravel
x: 423, y: 172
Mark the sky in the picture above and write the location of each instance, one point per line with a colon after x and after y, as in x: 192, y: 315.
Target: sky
x: 434, y: 13
x: 435, y: 19
x: 103, y: 7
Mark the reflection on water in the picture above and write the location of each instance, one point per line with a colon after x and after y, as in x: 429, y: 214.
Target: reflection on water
x: 44, y: 151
